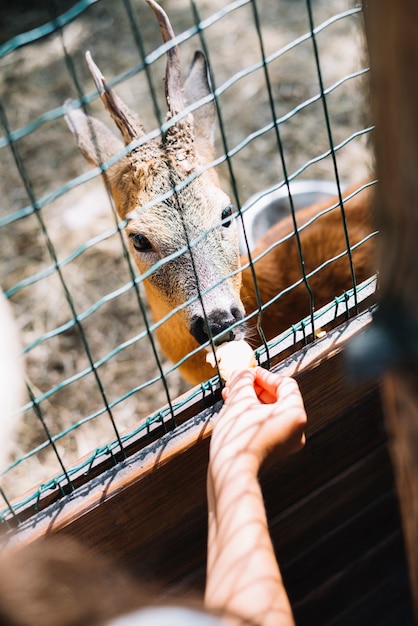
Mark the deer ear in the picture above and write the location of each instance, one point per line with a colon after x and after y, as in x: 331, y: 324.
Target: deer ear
x: 96, y: 142
x: 195, y: 88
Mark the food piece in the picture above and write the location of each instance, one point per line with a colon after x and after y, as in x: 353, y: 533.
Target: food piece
x: 232, y: 356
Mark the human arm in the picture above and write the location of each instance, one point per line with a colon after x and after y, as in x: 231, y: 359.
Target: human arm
x: 262, y: 412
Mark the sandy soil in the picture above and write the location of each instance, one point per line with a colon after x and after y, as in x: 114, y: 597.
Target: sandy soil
x: 37, y: 78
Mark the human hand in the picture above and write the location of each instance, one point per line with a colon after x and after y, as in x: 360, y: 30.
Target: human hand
x: 262, y: 411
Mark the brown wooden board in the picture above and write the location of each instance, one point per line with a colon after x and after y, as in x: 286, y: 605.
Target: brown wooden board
x: 332, y: 508
x: 383, y: 604
x: 360, y: 576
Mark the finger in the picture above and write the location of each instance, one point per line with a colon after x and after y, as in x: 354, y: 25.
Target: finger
x: 265, y: 397
x: 268, y: 381
x: 288, y: 390
x: 276, y: 385
x: 240, y: 386
x: 247, y: 374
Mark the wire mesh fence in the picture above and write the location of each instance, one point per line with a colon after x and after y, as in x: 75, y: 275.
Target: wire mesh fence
x: 289, y: 82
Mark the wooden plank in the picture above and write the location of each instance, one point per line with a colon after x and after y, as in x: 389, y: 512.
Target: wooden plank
x: 149, y: 512
x: 389, y: 602
x: 328, y: 601
x: 312, y: 555
x: 345, y: 495
x: 322, y: 463
x: 164, y: 514
x: 344, y: 544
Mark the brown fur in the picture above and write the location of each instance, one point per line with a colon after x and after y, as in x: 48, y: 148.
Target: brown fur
x: 320, y: 241
x: 281, y: 268
x: 190, y: 216
x: 143, y: 175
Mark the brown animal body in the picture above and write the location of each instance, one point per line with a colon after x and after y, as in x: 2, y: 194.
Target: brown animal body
x: 321, y: 240
x: 181, y: 230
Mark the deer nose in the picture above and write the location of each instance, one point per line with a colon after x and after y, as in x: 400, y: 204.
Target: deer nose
x: 218, y: 322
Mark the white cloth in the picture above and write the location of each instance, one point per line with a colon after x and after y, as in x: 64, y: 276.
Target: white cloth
x: 166, y: 616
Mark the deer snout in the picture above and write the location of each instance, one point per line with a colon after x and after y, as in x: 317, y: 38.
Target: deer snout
x: 218, y: 322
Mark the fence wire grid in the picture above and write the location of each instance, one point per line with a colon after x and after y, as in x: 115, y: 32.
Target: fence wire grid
x: 289, y: 80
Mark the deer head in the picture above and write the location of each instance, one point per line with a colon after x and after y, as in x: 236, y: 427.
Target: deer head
x: 187, y: 219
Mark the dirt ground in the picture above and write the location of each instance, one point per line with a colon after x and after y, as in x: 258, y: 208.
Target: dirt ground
x: 37, y: 78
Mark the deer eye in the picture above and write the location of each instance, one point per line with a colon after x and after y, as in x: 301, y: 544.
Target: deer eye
x: 140, y: 242
x: 226, y: 213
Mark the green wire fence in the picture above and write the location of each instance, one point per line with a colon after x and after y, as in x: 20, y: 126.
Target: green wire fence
x: 289, y: 85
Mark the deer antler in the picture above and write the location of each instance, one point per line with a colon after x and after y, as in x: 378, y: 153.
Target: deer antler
x: 179, y: 139
x: 126, y: 121
x: 173, y: 86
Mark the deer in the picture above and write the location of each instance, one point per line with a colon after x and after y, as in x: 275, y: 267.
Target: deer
x: 181, y: 226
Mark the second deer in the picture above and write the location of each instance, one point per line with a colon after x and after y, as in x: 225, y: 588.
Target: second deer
x: 185, y: 240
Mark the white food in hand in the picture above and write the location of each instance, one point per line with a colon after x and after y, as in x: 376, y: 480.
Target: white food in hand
x: 232, y: 356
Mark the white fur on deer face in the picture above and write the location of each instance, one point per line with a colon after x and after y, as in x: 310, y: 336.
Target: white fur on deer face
x: 191, y: 226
